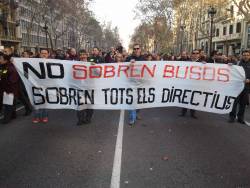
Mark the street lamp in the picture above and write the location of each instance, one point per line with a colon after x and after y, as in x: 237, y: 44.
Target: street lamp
x: 211, y: 12
x: 182, y: 27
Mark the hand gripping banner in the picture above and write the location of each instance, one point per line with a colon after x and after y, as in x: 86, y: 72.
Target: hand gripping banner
x: 58, y: 84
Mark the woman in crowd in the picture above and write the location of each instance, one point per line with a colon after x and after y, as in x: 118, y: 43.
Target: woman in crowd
x: 41, y: 115
x: 9, y: 81
x: 119, y: 58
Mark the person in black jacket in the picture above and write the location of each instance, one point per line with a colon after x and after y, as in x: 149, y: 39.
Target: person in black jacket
x: 1, y: 87
x: 22, y: 96
x: 110, y: 57
x: 9, y: 86
x: 243, y: 99
x: 85, y: 116
x: 72, y: 55
x: 184, y: 56
x: 195, y: 57
x: 95, y: 58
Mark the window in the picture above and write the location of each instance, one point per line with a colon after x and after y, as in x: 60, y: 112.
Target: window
x: 238, y: 27
x: 217, y: 32
x: 232, y: 10
x: 248, y: 40
x: 231, y: 29
x: 24, y: 38
x: 22, y: 25
x: 224, y: 30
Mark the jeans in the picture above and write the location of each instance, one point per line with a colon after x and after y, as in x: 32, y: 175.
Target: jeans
x: 41, y: 113
x: 132, y: 115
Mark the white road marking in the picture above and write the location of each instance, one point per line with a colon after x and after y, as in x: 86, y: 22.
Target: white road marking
x: 116, y: 173
x: 18, y: 109
x: 247, y: 123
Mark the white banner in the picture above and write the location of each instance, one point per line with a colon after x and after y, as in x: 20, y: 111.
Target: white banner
x: 57, y: 84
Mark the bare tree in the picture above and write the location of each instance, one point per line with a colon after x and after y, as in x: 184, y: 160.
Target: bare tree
x: 71, y: 18
x: 244, y: 8
x: 157, y: 24
x: 148, y: 10
x: 111, y: 36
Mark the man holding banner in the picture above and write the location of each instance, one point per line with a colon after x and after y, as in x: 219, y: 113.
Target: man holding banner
x: 136, y: 56
x: 41, y: 115
x: 85, y: 116
x: 56, y: 84
x: 243, y: 99
x: 195, y: 57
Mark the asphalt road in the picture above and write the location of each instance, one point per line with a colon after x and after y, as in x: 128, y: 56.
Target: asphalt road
x: 163, y: 150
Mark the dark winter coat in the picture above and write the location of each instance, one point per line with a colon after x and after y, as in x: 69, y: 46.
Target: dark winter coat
x: 9, y: 79
x: 73, y: 58
x: 136, y: 58
x: 96, y: 59
x: 246, y: 67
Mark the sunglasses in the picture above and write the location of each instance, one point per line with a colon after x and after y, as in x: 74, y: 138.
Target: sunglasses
x: 136, y: 48
x: 195, y: 53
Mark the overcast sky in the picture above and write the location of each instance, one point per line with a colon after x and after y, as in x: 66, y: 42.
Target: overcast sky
x: 120, y: 13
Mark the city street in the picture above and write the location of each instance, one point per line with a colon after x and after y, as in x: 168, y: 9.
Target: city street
x: 179, y: 66
x: 162, y: 150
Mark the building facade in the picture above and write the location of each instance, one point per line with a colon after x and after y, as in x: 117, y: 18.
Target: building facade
x: 37, y: 30
x: 230, y: 33
x: 9, y: 25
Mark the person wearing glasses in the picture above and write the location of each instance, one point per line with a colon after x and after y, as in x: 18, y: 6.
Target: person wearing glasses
x: 136, y: 56
x: 243, y: 99
x: 195, y: 57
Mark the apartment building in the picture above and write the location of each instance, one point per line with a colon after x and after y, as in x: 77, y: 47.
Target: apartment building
x: 231, y: 32
x: 9, y: 25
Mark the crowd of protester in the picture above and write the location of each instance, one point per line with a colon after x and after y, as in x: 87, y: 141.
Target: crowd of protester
x: 10, y: 82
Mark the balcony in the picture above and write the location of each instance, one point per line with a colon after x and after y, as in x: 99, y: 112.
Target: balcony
x: 235, y: 36
x: 9, y: 38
